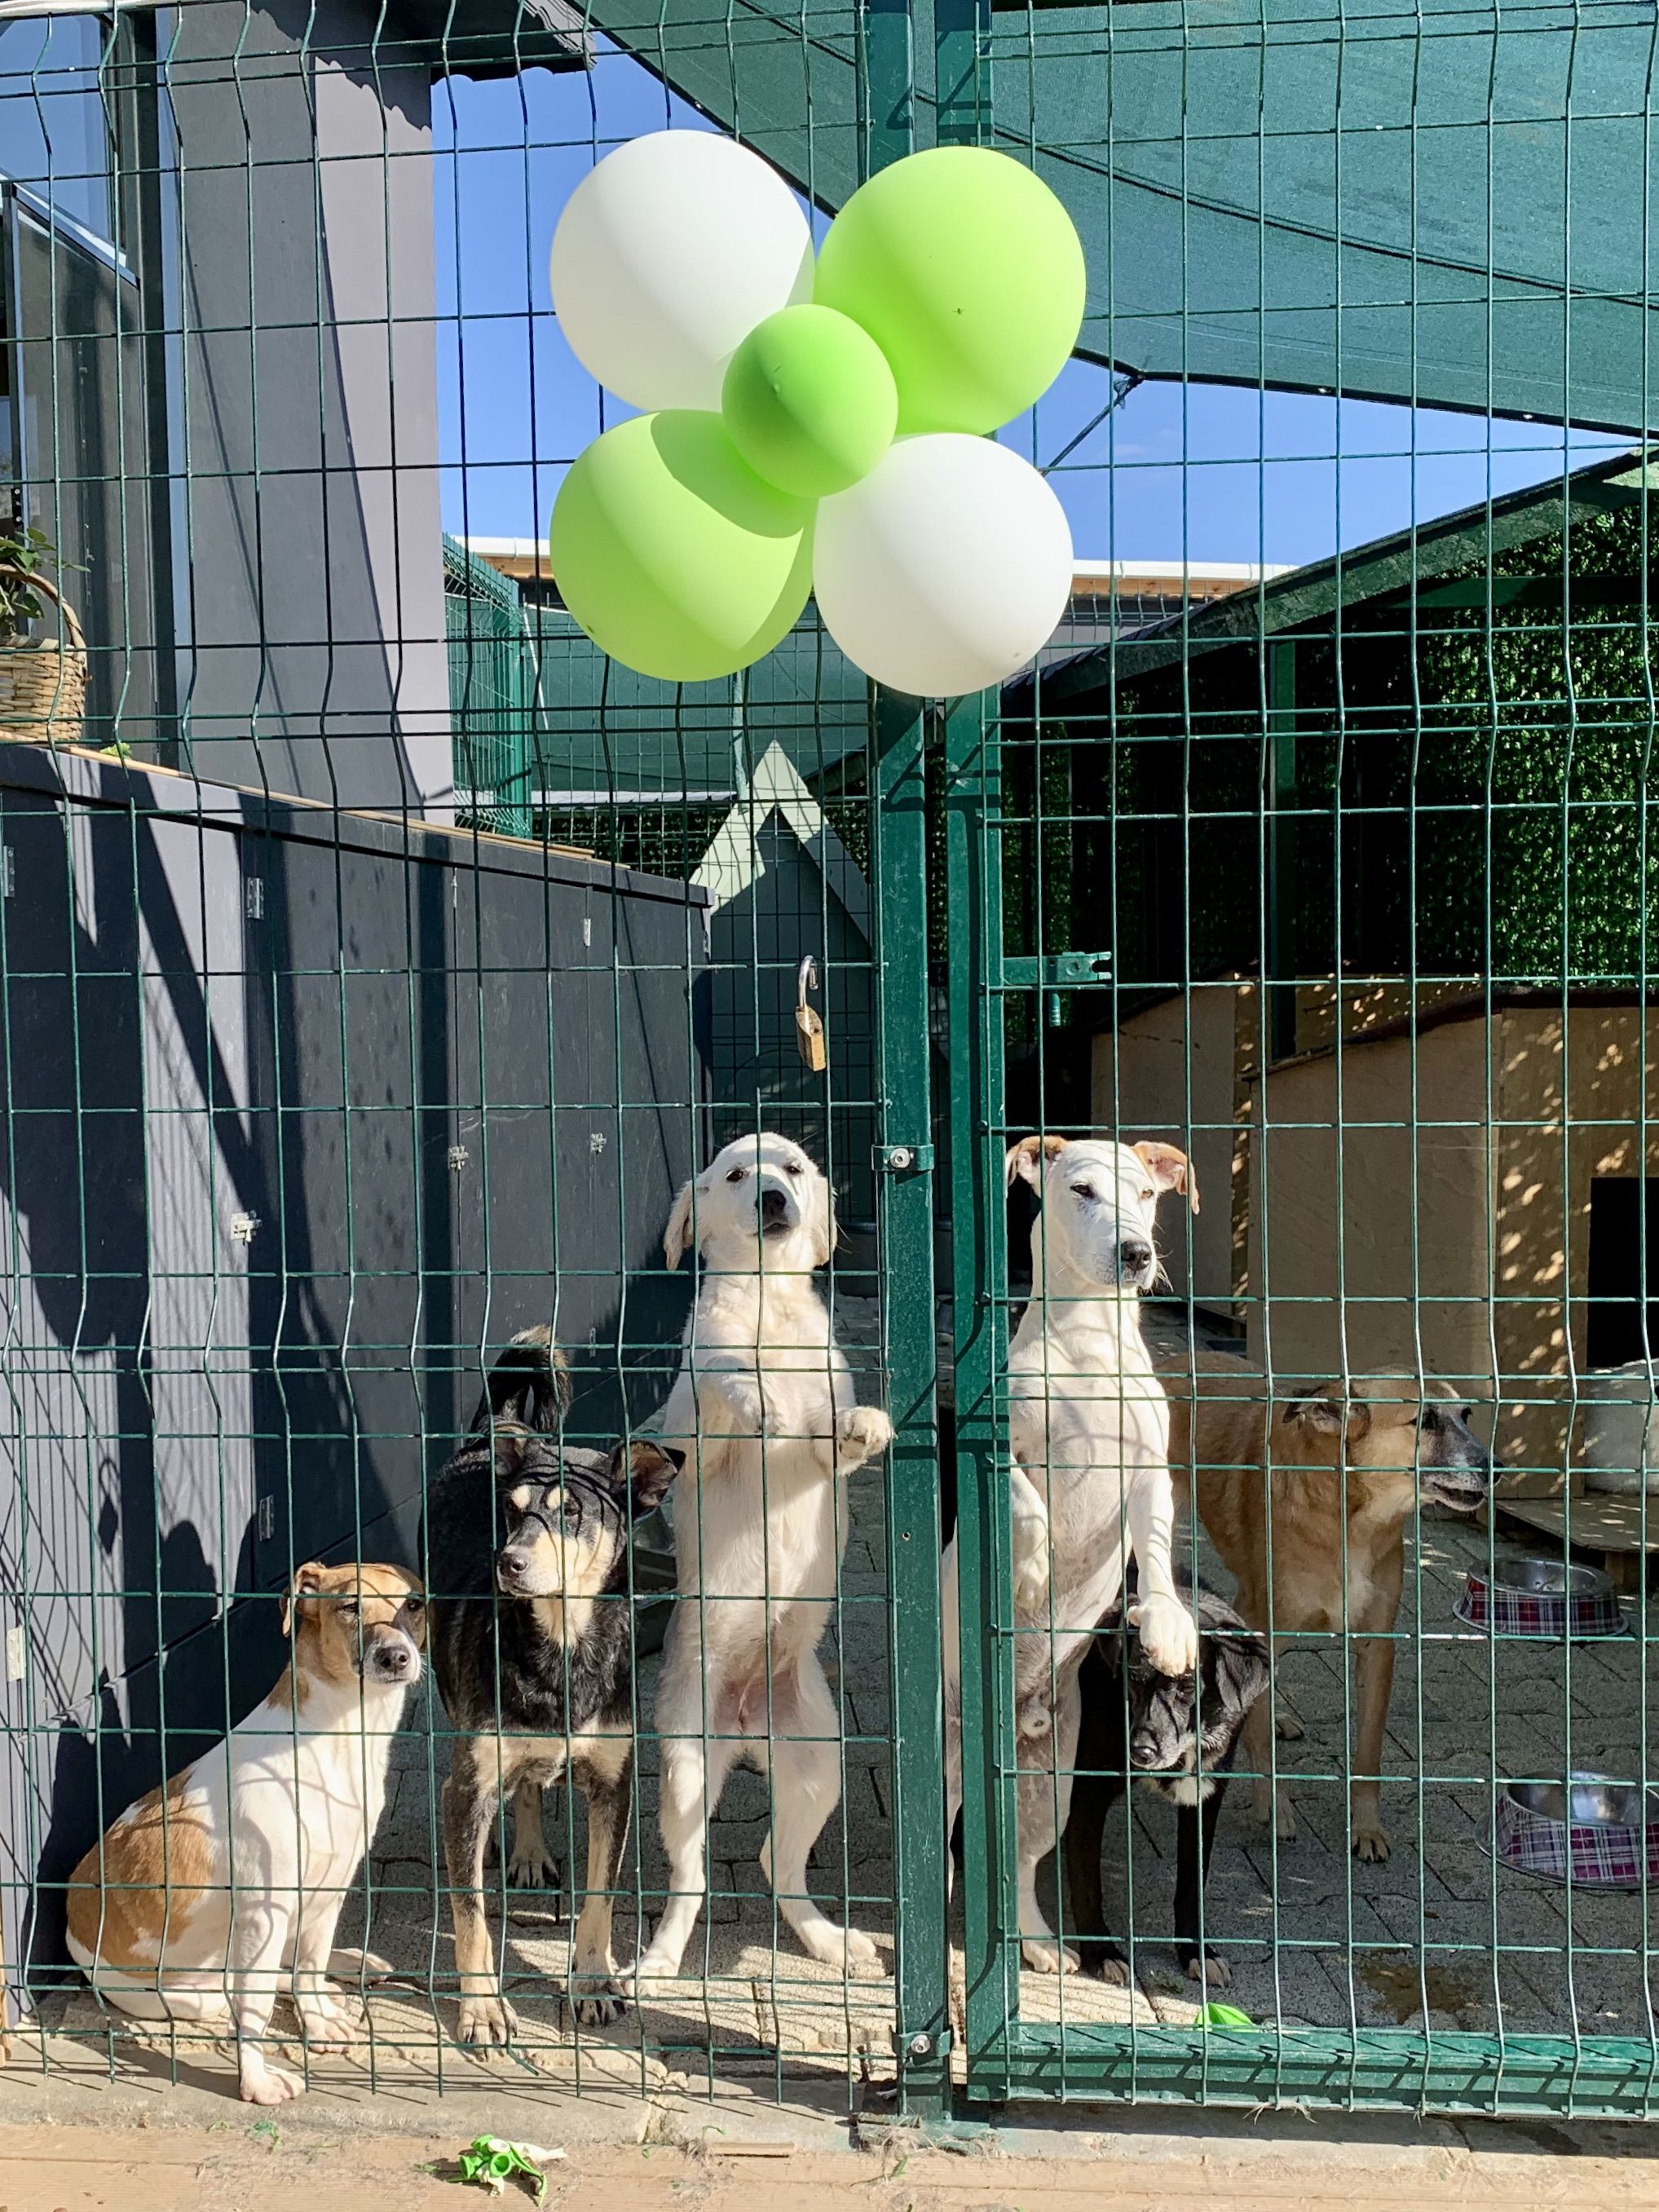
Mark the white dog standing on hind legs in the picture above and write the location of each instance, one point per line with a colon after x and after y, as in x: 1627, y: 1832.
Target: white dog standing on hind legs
x: 1090, y: 1488
x: 763, y: 1409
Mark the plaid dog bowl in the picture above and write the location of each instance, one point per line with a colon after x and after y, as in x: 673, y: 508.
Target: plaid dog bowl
x: 1593, y: 1829
x: 1551, y: 1599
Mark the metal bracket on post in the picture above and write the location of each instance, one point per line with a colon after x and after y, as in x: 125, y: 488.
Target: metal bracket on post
x: 904, y: 1160
x: 918, y: 2047
x: 1057, y: 971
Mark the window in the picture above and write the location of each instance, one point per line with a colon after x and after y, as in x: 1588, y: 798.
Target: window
x: 54, y: 129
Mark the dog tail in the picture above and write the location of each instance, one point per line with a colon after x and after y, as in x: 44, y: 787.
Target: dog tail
x: 529, y: 1384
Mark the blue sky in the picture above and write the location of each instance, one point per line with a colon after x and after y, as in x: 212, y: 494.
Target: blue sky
x: 1197, y: 471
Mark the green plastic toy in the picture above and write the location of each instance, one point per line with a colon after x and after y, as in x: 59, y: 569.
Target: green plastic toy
x: 1223, y: 2015
x: 491, y: 2162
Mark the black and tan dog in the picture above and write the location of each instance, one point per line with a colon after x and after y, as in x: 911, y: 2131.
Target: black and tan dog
x: 1178, y: 1732
x: 533, y: 1644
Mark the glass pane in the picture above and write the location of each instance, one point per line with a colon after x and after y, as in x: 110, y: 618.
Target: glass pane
x: 54, y: 136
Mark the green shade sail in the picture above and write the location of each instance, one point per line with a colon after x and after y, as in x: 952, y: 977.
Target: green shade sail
x: 1422, y: 204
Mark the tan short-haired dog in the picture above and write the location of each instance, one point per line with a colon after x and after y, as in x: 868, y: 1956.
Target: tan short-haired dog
x: 221, y: 1889
x: 1334, y: 1472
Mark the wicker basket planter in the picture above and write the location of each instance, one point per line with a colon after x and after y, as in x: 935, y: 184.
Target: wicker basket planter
x: 43, y: 688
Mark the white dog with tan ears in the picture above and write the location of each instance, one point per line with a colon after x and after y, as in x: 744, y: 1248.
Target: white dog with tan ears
x: 222, y: 1890
x: 763, y: 1410
x: 1090, y: 1488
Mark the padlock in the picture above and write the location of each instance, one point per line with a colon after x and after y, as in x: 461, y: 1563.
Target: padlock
x: 809, y: 1023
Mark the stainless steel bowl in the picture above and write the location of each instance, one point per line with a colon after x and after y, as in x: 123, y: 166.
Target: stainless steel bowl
x: 1588, y: 1800
x: 1591, y: 1830
x: 1548, y: 1577
x: 1540, y: 1596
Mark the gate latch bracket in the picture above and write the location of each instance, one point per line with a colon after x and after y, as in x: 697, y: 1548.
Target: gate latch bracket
x: 904, y: 1160
x: 1056, y: 971
x: 936, y: 2046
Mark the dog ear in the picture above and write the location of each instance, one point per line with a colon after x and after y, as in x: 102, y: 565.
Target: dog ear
x: 308, y: 1581
x: 677, y: 1234
x: 1242, y: 1670
x: 825, y: 1228
x: 512, y: 1448
x: 647, y: 1470
x: 1169, y: 1167
x: 1028, y: 1158
x: 1327, y: 1410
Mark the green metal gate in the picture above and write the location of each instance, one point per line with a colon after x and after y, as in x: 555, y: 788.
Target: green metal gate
x: 1308, y: 887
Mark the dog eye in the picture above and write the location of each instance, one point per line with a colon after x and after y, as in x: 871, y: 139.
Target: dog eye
x: 1148, y: 1195
x: 572, y: 1511
x: 415, y: 1605
x: 1084, y: 1190
x: 736, y: 1174
x: 792, y: 1168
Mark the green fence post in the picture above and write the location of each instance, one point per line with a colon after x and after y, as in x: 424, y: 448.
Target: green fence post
x: 899, y: 835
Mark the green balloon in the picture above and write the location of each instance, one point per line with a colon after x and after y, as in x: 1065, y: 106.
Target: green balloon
x: 810, y: 401
x: 672, y: 555
x: 968, y: 273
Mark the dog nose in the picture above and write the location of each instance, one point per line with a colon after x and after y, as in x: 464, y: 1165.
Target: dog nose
x: 513, y: 1566
x: 396, y: 1658
x: 1136, y: 1255
x: 1143, y: 1747
x: 772, y: 1206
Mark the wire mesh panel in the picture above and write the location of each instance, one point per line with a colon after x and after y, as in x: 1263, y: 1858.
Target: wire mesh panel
x: 479, y: 1122
x: 406, y: 1048
x: 1338, y: 887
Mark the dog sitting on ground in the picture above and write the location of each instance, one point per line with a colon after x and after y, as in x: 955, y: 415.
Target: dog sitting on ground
x: 1179, y: 1732
x: 532, y: 1643
x: 222, y: 1890
x: 1091, y: 1485
x: 1330, y: 1470
x: 763, y: 1408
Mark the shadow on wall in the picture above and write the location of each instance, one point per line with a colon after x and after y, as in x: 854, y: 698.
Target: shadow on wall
x: 252, y: 1298
x: 160, y: 1382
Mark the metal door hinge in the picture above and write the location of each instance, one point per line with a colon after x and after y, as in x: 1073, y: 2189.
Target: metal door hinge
x: 253, y: 898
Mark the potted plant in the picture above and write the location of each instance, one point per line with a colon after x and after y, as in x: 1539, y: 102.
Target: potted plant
x: 43, y: 681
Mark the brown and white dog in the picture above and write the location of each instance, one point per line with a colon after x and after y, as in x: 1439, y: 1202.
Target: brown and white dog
x: 1334, y: 1474
x: 221, y: 1890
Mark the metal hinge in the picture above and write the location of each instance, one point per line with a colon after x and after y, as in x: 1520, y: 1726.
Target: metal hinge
x: 1056, y: 971
x: 904, y: 1160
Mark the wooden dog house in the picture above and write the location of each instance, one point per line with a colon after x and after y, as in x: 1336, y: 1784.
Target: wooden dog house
x: 1462, y: 1187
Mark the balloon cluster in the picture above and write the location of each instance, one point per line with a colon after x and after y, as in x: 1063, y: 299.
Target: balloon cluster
x: 814, y: 428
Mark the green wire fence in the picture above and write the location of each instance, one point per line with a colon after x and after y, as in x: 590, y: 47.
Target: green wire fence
x: 377, y: 960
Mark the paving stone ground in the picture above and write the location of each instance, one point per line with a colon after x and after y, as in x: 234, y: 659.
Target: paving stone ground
x: 1314, y: 1938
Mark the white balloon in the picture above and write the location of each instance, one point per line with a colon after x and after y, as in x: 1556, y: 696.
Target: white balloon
x: 668, y: 254
x: 946, y: 569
